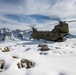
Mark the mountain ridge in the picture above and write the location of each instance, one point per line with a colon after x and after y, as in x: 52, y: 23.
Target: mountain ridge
x: 12, y: 35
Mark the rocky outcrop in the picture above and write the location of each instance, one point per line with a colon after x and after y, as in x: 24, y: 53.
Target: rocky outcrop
x: 1, y: 65
x: 6, y: 49
x: 6, y: 35
x: 24, y: 63
x: 15, y: 57
x: 43, y: 47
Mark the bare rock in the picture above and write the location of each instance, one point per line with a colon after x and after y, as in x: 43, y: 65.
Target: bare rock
x: 1, y: 65
x: 15, y: 57
x: 6, y: 49
x: 57, y: 47
x: 39, y: 45
x: 25, y: 63
x: 43, y: 47
x: 20, y: 65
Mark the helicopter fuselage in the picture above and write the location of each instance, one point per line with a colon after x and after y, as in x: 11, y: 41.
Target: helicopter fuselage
x: 57, y: 33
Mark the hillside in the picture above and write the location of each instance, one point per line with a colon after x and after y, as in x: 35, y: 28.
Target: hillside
x: 58, y: 60
x: 20, y: 54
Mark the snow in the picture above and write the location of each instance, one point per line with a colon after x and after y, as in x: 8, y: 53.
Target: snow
x: 59, y: 60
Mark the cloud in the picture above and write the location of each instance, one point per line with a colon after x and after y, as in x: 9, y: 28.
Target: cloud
x: 65, y: 9
x: 11, y: 1
x: 62, y: 8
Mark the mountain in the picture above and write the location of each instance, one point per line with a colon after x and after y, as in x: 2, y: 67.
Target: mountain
x: 60, y: 59
x: 11, y: 35
x: 21, y: 34
x: 6, y: 35
x: 71, y: 36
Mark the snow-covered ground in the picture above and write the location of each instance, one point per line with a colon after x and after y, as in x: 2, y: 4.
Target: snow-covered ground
x: 59, y: 60
x: 16, y: 16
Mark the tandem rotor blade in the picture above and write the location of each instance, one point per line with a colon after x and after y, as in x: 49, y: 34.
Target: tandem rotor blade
x: 47, y: 25
x: 71, y: 21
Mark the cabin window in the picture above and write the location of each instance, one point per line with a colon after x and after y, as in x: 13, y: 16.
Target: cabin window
x: 41, y: 34
x: 60, y: 25
x: 58, y: 30
x: 47, y: 35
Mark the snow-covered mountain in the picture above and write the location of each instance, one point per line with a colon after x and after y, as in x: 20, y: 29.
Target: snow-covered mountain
x: 11, y: 35
x: 71, y: 36
x: 21, y: 34
x: 59, y: 59
x: 6, y: 35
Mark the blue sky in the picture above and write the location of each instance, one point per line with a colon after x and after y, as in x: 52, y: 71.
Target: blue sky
x: 65, y: 9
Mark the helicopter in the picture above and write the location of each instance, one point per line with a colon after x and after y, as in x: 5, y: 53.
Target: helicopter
x: 56, y: 34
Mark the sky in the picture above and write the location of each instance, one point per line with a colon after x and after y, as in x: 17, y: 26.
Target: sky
x: 62, y: 8
x: 65, y: 9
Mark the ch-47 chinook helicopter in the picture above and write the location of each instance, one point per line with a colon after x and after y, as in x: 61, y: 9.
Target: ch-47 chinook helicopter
x: 58, y: 32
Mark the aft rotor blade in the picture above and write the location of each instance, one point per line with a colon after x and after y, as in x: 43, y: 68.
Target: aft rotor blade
x: 70, y: 21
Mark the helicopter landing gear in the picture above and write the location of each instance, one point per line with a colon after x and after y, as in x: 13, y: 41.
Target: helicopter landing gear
x: 61, y: 39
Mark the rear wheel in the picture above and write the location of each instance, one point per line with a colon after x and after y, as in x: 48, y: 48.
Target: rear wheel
x: 60, y: 39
